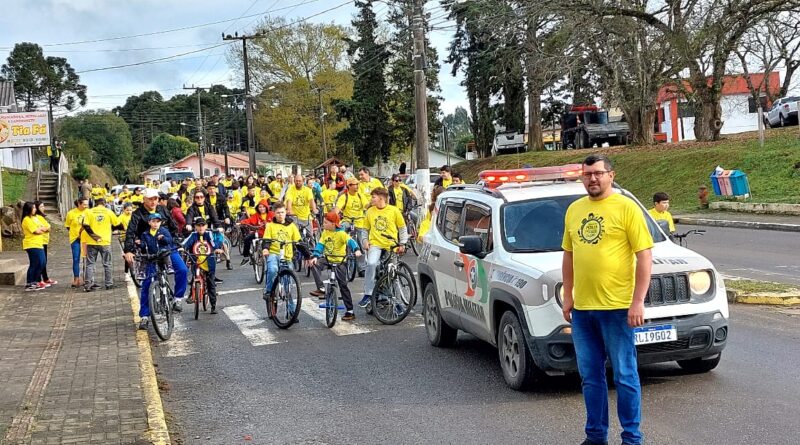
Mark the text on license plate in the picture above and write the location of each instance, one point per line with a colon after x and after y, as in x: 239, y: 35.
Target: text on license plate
x: 655, y: 334
x: 611, y: 135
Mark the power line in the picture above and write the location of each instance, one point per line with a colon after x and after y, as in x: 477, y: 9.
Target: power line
x: 145, y: 62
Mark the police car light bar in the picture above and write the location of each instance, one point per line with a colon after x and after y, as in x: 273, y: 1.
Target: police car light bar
x: 495, y: 178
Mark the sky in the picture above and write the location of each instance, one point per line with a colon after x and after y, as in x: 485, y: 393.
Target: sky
x: 107, y: 27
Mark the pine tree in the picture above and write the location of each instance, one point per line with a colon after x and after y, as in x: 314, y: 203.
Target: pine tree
x: 369, y: 130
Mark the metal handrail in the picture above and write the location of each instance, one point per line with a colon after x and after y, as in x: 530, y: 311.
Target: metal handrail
x: 38, y: 177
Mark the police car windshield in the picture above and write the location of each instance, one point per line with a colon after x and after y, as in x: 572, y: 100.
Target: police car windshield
x: 538, y: 225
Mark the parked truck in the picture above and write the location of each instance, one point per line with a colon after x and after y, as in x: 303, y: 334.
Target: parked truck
x: 587, y: 126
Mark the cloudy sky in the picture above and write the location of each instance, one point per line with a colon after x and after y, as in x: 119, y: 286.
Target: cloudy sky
x: 97, y: 34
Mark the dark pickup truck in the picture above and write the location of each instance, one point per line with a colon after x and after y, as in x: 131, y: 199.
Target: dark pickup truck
x: 587, y: 126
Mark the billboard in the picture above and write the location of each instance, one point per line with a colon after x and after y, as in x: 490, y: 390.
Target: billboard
x: 29, y: 129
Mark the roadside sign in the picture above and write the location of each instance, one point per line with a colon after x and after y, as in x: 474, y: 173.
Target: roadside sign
x: 28, y: 129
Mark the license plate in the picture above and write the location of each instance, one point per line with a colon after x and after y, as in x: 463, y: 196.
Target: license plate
x: 655, y: 334
x: 611, y: 135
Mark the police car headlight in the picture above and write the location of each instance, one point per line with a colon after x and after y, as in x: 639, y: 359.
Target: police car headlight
x: 700, y: 282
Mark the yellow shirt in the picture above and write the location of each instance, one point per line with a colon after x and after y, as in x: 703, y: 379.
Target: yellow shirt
x: 31, y: 240
x: 446, y: 182
x: 663, y: 216
x: 44, y: 223
x: 236, y: 203
x: 301, y: 201
x: 281, y: 232
x: 124, y: 196
x: 137, y: 199
x: 353, y: 206
x: 74, y: 222
x: 328, y: 199
x: 99, y: 192
x: 212, y: 199
x: 367, y: 187
x: 385, y: 221
x: 424, y: 227
x: 604, y: 237
x: 100, y: 219
x: 335, y: 244
x: 398, y: 195
x: 276, y: 188
x: 226, y: 182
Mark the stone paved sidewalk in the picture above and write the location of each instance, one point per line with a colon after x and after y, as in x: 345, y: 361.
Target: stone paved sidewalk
x: 70, y: 363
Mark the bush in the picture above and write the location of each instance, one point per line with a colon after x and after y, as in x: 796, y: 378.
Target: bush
x: 80, y: 171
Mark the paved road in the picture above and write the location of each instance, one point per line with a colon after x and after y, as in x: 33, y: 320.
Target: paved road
x: 234, y: 378
x: 757, y: 254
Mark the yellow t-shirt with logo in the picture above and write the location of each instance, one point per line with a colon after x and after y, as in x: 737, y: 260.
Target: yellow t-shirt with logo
x: 604, y: 237
x: 385, y: 221
x: 46, y: 224
x: 367, y: 187
x: 663, y: 216
x: 335, y: 244
x: 329, y: 199
x: 446, y: 182
x: 100, y: 219
x: 301, y: 201
x: 31, y: 240
x: 99, y: 192
x: 398, y: 195
x: 282, y: 232
x: 353, y: 206
x: 276, y: 188
x: 74, y: 222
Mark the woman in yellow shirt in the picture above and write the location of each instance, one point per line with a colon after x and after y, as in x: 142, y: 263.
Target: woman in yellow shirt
x: 41, y: 217
x: 33, y: 244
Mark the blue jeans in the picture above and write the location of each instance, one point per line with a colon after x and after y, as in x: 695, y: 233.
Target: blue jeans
x: 181, y: 274
x: 597, y: 336
x: 75, y: 246
x: 37, y: 261
x: 272, y: 271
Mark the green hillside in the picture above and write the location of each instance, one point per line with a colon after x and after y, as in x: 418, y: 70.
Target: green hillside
x: 679, y: 169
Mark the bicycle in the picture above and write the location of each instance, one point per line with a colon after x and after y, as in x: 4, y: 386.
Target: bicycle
x: 411, y: 227
x: 283, y: 302
x: 160, y: 297
x: 132, y: 269
x: 307, y: 237
x: 257, y: 259
x: 332, y: 292
x: 681, y: 237
x: 351, y: 260
x: 197, y: 287
x: 390, y: 303
x: 225, y: 244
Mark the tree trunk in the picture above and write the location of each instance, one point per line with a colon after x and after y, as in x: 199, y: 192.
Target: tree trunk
x: 641, y: 121
x: 707, y: 117
x: 535, y: 140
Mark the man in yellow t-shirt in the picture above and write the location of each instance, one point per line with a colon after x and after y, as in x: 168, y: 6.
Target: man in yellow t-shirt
x: 73, y: 221
x: 367, y: 183
x: 660, y: 210
x: 400, y: 194
x: 276, y: 187
x: 100, y: 221
x: 299, y: 202
x: 381, y: 219
x: 606, y: 274
x: 445, y: 176
x: 279, y: 230
x: 329, y: 195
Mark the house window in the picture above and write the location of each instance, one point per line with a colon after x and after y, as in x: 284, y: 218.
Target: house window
x: 685, y: 109
x: 216, y: 171
x: 752, y: 106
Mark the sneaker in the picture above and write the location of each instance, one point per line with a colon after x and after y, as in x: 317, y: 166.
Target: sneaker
x: 51, y: 282
x: 143, y: 324
x: 228, y: 265
x: 246, y: 260
x: 218, y: 280
x: 318, y: 293
x: 110, y: 286
x: 213, y: 309
x: 31, y: 287
x: 364, y: 301
x: 590, y: 442
x: 95, y: 286
x: 399, y: 309
x: 176, y: 307
x: 44, y: 284
x: 348, y: 316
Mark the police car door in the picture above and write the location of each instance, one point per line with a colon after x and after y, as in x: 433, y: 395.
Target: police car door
x: 471, y: 272
x: 444, y: 253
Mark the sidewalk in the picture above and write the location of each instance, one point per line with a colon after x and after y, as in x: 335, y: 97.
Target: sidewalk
x: 71, y: 363
x: 785, y: 223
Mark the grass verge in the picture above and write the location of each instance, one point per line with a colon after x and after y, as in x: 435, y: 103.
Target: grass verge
x: 14, y: 183
x: 756, y: 287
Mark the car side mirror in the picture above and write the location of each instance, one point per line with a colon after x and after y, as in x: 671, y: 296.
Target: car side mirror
x: 471, y: 245
x: 664, y: 225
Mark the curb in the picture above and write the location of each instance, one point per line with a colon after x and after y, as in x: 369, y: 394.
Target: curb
x: 781, y: 227
x: 156, y: 421
x: 765, y: 298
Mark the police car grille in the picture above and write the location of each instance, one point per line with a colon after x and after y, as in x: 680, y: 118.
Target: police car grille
x: 668, y: 289
x: 678, y: 345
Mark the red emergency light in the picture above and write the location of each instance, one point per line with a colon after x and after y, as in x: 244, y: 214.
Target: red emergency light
x: 496, y: 178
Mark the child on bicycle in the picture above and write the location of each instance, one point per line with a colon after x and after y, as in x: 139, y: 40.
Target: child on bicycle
x: 278, y: 230
x: 332, y: 248
x: 200, y: 244
x: 150, y: 243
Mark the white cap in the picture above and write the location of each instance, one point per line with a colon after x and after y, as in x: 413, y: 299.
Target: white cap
x: 151, y: 193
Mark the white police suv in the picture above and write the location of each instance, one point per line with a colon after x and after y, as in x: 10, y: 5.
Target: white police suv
x: 491, y: 266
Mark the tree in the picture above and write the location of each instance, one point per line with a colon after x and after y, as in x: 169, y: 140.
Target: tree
x: 167, y: 148
x: 80, y: 171
x: 109, y: 138
x: 367, y: 113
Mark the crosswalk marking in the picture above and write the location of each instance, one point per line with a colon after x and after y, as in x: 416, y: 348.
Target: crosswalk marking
x: 311, y: 307
x: 239, y: 291
x: 181, y: 343
x: 248, y: 321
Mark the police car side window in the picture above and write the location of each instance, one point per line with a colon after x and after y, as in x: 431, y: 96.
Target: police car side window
x: 449, y: 221
x: 478, y: 222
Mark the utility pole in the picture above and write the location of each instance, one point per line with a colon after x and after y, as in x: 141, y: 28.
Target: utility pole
x: 421, y: 99
x: 200, y: 132
x: 322, y: 123
x: 251, y: 148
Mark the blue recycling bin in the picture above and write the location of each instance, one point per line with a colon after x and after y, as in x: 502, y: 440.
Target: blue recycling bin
x: 739, y: 183
x: 715, y: 183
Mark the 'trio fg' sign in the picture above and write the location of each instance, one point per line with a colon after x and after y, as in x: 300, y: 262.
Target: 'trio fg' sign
x: 29, y: 129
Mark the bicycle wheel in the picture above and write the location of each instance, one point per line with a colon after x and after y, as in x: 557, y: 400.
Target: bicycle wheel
x: 388, y: 304
x: 234, y: 237
x: 331, y: 305
x: 133, y: 270
x: 240, y: 243
x: 204, y: 294
x: 196, y: 296
x: 161, y: 310
x: 258, y: 268
x: 402, y: 266
x: 352, y: 266
x: 285, y: 299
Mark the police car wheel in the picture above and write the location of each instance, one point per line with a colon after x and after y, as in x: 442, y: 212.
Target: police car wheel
x: 440, y: 334
x: 515, y: 358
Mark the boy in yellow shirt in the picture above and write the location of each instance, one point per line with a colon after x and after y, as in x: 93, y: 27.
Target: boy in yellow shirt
x: 660, y: 210
x: 279, y: 230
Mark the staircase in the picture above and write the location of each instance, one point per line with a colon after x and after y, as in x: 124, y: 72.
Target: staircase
x: 48, y: 192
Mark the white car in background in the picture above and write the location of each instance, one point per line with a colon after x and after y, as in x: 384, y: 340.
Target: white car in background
x: 783, y: 112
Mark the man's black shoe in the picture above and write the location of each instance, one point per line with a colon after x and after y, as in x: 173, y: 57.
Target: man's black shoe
x: 218, y: 280
x: 245, y: 261
x: 176, y: 307
x: 228, y: 266
x: 589, y: 442
x: 213, y: 309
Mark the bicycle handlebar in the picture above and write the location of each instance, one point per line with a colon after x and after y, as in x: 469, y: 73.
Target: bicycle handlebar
x: 700, y: 232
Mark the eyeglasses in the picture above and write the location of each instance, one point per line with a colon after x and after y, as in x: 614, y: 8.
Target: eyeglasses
x: 199, y: 197
x: 598, y: 174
